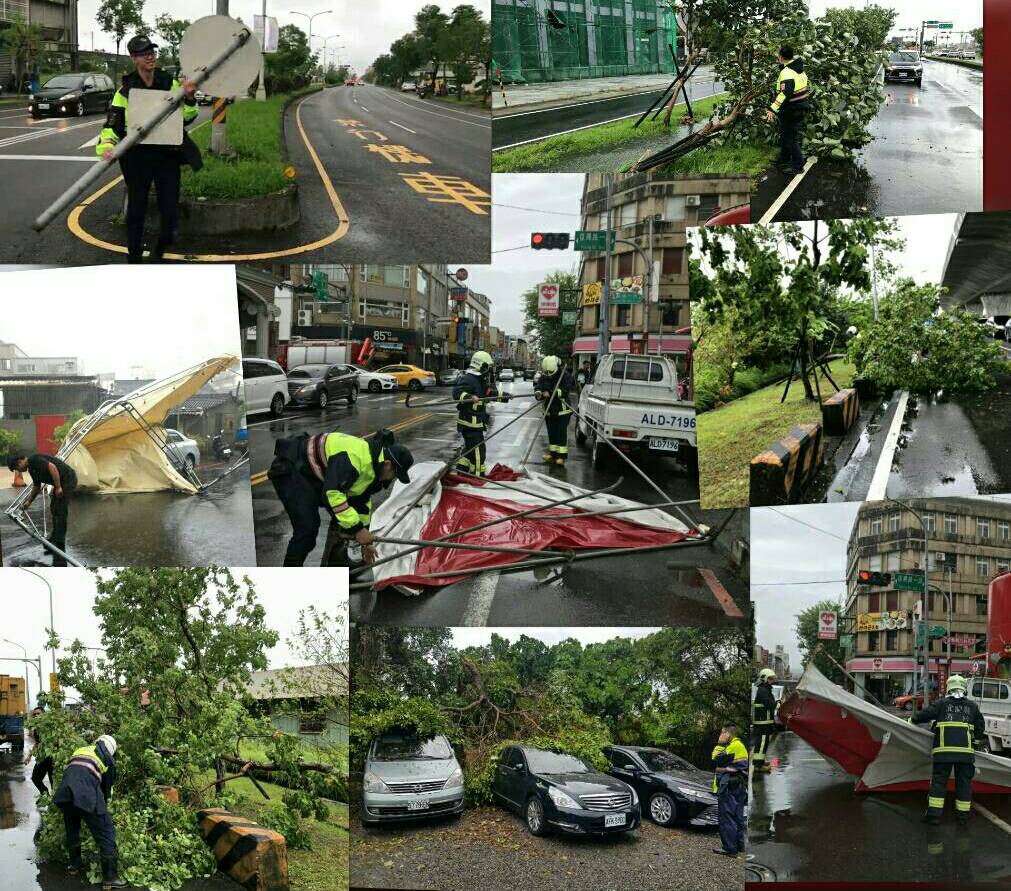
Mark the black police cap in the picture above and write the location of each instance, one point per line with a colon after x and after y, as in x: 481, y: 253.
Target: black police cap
x: 402, y: 460
x: 141, y: 43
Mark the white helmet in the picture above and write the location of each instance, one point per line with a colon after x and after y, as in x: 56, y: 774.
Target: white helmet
x: 480, y: 360
x: 766, y: 674
x: 549, y: 364
x: 108, y: 742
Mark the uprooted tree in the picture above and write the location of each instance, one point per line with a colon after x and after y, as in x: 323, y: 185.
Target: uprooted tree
x: 180, y: 647
x: 841, y: 55
x: 672, y: 688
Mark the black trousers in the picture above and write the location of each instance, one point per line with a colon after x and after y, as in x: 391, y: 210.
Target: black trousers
x: 762, y: 733
x: 60, y: 511
x: 558, y: 434
x: 964, y: 772
x: 143, y: 167
x: 473, y: 461
x: 731, y: 797
x: 100, y: 826
x: 43, y: 769
x: 791, y: 120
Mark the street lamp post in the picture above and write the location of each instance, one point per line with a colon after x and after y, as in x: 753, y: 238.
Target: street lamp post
x: 52, y: 621
x: 310, y: 18
x: 326, y: 42
x: 926, y: 602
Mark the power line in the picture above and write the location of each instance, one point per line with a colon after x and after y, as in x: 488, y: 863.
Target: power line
x: 809, y: 526
x: 563, y: 213
x: 790, y: 584
x: 506, y: 250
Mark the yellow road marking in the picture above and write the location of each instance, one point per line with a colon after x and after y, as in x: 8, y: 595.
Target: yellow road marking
x: 449, y: 190
x: 257, y: 478
x: 398, y: 154
x: 343, y: 223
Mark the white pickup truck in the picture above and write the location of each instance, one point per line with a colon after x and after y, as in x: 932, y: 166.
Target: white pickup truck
x: 637, y: 403
x: 993, y: 696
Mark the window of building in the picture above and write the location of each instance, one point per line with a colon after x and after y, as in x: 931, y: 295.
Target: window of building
x: 874, y: 602
x: 674, y: 207
x: 950, y: 524
x: 981, y: 604
x: 892, y: 561
x: 875, y: 525
x: 983, y: 527
x: 872, y: 641
x: 1003, y: 530
x: 938, y: 560
x: 874, y: 563
x: 672, y: 260
x: 622, y: 315
x: 624, y: 264
x: 928, y: 521
x: 893, y: 522
x: 311, y: 724
x: 891, y: 640
x: 421, y: 281
x: 671, y: 313
x: 892, y: 601
x: 1003, y: 565
x: 601, y: 267
x: 628, y: 214
x: 982, y: 567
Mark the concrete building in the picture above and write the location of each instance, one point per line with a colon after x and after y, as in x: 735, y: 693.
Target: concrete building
x: 14, y: 361
x: 637, y: 202
x: 299, y: 701
x: 518, y: 350
x: 58, y: 21
x: 545, y: 40
x: 968, y: 543
x: 468, y: 330
x: 34, y: 407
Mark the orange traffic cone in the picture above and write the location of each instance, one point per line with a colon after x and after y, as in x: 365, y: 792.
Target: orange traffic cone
x: 19, y: 481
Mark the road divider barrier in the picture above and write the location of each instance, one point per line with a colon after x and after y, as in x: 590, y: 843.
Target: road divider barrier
x: 252, y: 855
x: 840, y: 412
x: 780, y: 474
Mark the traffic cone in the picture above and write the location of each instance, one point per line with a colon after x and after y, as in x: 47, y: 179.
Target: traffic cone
x: 19, y: 480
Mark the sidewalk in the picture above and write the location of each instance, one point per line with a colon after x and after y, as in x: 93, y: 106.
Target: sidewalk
x: 529, y: 96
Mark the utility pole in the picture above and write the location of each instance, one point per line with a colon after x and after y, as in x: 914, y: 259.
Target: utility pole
x: 28, y: 695
x: 219, y: 140
x: 874, y: 280
x: 52, y: 621
x: 603, y: 329
x: 261, y: 87
x: 647, y: 289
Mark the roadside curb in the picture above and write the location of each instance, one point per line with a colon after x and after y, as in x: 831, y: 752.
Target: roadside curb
x: 962, y: 63
x: 276, y: 211
x: 547, y: 104
x: 879, y: 482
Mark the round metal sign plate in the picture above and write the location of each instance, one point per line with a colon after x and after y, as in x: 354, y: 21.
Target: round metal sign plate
x: 207, y: 37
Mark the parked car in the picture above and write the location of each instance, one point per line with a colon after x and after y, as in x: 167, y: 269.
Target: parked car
x: 905, y: 701
x: 529, y: 374
x: 671, y: 790
x: 266, y: 386
x: 555, y: 790
x: 506, y: 374
x: 407, y: 778
x: 203, y: 98
x: 904, y: 66
x: 373, y: 381
x: 408, y: 86
x: 967, y: 54
x: 448, y: 377
x: 321, y: 384
x: 183, y: 450
x: 410, y: 376
x: 73, y: 94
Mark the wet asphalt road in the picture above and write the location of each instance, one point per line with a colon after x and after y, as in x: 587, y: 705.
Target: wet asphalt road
x: 807, y: 823
x: 926, y: 156
x: 19, y: 821
x: 661, y: 588
x: 150, y: 529
x: 487, y: 847
x: 518, y: 127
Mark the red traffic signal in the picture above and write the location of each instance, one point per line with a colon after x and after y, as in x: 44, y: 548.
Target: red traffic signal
x: 874, y: 579
x: 549, y: 241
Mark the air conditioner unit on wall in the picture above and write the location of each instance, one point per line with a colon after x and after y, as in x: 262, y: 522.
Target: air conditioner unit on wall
x: 304, y: 318
x: 693, y: 200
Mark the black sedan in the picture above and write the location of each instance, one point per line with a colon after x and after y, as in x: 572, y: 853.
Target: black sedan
x: 554, y: 790
x: 320, y: 384
x: 73, y: 94
x: 671, y: 789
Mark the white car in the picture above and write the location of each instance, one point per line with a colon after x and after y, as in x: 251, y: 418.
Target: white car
x: 373, y: 382
x: 408, y: 86
x: 182, y: 449
x: 506, y: 374
x: 266, y: 386
x: 967, y: 54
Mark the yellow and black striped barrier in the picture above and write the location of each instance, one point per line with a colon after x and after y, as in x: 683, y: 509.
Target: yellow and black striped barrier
x: 218, y: 114
x: 780, y: 474
x: 255, y: 857
x: 840, y: 412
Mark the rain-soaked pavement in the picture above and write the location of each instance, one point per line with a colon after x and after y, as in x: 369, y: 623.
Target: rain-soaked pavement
x: 806, y: 823
x: 19, y: 821
x: 926, y: 157
x: 150, y: 529
x: 660, y: 588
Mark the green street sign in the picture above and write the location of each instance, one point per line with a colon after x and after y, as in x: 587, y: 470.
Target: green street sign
x: 320, y: 283
x: 624, y: 298
x: 908, y: 581
x: 930, y: 22
x: 846, y: 641
x: 936, y: 631
x: 944, y: 26
x: 593, y: 240
x: 569, y: 316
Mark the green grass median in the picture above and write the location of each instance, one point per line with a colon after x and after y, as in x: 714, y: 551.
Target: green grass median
x: 730, y: 436
x: 254, y: 132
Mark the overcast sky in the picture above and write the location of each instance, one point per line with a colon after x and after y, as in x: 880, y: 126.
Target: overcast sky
x: 477, y: 637
x: 366, y: 29
x: 283, y: 593
x: 115, y: 318
x: 550, y: 203
x: 963, y: 14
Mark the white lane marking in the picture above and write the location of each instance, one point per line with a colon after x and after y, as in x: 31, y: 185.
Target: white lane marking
x: 451, y: 117
x: 879, y: 483
x: 481, y: 600
x: 90, y: 142
x: 80, y: 158
x: 992, y: 817
x: 519, y: 114
x: 16, y: 127
x: 786, y: 193
x: 363, y: 107
x: 38, y: 134
x: 402, y: 127
x: 623, y: 117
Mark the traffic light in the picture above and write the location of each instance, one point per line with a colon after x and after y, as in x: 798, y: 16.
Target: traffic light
x: 549, y: 241
x: 874, y: 579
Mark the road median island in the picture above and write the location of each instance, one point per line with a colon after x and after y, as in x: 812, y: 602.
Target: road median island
x: 976, y: 64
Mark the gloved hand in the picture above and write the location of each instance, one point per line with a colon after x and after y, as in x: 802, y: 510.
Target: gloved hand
x: 538, y: 395
x: 505, y: 397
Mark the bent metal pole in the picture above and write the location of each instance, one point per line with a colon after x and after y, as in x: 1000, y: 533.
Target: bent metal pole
x: 172, y: 101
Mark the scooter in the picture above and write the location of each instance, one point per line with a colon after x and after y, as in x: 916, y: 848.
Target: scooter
x: 221, y: 451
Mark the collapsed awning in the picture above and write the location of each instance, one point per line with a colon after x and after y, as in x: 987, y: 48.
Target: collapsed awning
x: 119, y: 449
x: 884, y: 752
x: 457, y: 502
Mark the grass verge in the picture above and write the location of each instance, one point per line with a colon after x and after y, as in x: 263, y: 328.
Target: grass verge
x: 735, y: 158
x: 730, y: 436
x: 546, y: 154
x: 469, y: 100
x: 965, y: 63
x: 254, y: 132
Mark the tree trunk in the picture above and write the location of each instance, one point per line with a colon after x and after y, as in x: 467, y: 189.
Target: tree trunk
x: 219, y: 774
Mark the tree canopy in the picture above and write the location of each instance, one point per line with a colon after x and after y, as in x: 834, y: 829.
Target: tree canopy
x: 550, y: 336
x: 807, y: 623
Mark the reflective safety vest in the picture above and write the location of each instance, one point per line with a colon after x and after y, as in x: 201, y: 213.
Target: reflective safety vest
x: 738, y: 759
x: 87, y: 757
x: 473, y: 415
x: 953, y: 736
x: 117, y: 117
x: 791, y: 87
x: 344, y: 465
x: 957, y: 721
x: 762, y: 716
x: 546, y: 386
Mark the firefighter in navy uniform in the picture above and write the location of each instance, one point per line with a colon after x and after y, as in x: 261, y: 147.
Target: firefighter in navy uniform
x: 730, y: 783
x: 83, y: 795
x: 790, y: 107
x: 557, y: 410
x: 474, y: 389
x: 144, y: 165
x: 957, y: 725
x: 763, y: 720
x: 340, y: 473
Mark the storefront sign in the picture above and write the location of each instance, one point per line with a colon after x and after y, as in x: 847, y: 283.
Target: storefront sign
x: 828, y: 625
x: 547, y: 300
x: 961, y: 641
x: 890, y: 621
x: 591, y: 293
x: 388, y: 339
x: 458, y: 295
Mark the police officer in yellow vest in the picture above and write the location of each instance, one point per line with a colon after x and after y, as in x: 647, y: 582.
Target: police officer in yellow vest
x: 730, y: 760
x: 554, y: 388
x: 957, y: 724
x: 144, y: 165
x: 474, y: 389
x: 790, y: 107
x: 83, y: 795
x: 763, y: 720
x: 339, y: 473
